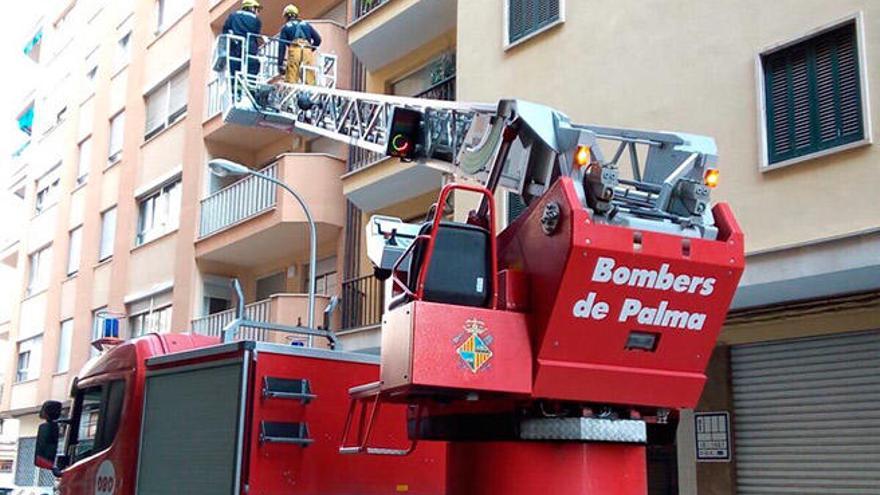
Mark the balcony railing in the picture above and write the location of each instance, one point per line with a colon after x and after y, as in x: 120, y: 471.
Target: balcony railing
x: 238, y: 202
x: 213, y: 325
x: 218, y: 97
x: 363, y: 302
x: 364, y: 7
x: 443, y: 90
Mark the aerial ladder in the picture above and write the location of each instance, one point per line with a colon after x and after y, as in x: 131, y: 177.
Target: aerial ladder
x: 550, y: 353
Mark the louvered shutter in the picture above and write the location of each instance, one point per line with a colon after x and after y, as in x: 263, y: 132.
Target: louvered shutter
x: 515, y: 207
x: 813, y: 95
x: 157, y: 109
x: 806, y: 414
x: 179, y: 93
x: 524, y: 17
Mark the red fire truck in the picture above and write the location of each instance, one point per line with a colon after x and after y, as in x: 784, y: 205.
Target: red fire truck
x: 541, y: 359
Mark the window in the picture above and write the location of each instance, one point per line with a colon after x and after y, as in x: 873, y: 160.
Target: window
x: 38, y: 272
x: 74, y: 251
x: 515, y: 207
x: 28, y: 359
x: 326, y: 277
x: 123, y: 51
x: 22, y: 370
x: 48, y: 189
x: 813, y: 95
x: 108, y: 234
x: 6, y: 466
x: 169, y: 11
x: 166, y: 104
x: 159, y: 213
x: 86, y: 119
x: 117, y: 129
x: 436, y: 80
x: 271, y: 285
x: 156, y: 321
x: 95, y: 419
x: 150, y: 315
x: 65, y: 339
x: 91, y: 77
x: 526, y: 18
x: 84, y: 161
x: 326, y: 284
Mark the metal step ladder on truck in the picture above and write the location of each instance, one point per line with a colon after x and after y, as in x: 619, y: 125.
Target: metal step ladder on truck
x: 541, y: 359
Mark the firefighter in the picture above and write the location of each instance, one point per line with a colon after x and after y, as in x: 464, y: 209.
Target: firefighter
x: 299, y: 40
x: 245, y: 23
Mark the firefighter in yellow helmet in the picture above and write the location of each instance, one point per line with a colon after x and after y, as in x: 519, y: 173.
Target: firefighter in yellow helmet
x: 299, y: 40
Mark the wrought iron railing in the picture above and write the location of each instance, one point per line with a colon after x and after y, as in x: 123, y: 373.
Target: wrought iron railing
x: 363, y: 302
x: 364, y: 7
x: 443, y: 90
x: 213, y: 325
x: 242, y: 200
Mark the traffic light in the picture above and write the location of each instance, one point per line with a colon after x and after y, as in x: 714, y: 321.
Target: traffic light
x: 405, y: 134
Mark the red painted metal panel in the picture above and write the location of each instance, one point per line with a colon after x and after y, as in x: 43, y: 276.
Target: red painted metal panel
x: 529, y: 468
x: 605, y: 282
x: 458, y: 348
x: 319, y: 468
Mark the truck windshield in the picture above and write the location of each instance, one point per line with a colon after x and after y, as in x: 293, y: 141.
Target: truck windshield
x: 95, y: 419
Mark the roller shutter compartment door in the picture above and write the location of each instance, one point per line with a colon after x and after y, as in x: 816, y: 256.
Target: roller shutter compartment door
x: 807, y: 416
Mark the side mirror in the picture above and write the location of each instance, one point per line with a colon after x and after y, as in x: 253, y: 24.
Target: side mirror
x: 48, y: 435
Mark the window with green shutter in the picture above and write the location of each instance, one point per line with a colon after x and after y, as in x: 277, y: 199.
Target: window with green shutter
x: 515, y: 207
x: 813, y: 95
x: 525, y: 17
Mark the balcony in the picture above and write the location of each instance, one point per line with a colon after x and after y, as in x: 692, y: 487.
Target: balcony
x: 219, y: 98
x: 363, y: 302
x: 250, y: 222
x: 9, y: 252
x: 282, y: 309
x: 382, y: 31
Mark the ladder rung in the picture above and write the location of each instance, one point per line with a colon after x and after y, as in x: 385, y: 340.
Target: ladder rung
x: 388, y: 452
x: 288, y: 388
x: 289, y: 433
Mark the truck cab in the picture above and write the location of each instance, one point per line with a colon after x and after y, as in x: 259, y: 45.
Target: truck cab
x: 183, y: 413
x: 102, y: 431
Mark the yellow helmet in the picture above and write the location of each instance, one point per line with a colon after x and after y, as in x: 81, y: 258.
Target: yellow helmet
x: 291, y: 11
x: 253, y: 4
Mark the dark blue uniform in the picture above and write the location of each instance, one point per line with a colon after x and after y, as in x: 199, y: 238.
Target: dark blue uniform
x: 242, y: 23
x: 296, y: 30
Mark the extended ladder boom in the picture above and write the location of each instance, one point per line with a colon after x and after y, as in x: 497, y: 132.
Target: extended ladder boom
x: 521, y: 146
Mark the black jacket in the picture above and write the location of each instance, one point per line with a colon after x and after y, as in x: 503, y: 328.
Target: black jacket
x: 242, y: 23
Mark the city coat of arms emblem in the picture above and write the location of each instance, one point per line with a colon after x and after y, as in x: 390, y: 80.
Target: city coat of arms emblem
x: 474, y: 345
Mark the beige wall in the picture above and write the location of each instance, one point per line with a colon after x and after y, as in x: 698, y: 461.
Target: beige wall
x: 686, y: 66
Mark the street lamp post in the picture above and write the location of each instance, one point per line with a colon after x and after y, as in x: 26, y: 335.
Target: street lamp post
x: 226, y: 168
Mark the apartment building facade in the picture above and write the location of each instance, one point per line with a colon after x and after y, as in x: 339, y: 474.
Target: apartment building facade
x: 121, y: 218
x: 793, y: 385
x: 786, y: 89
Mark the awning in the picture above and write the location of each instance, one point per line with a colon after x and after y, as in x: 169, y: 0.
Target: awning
x: 33, y: 42
x: 26, y: 121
